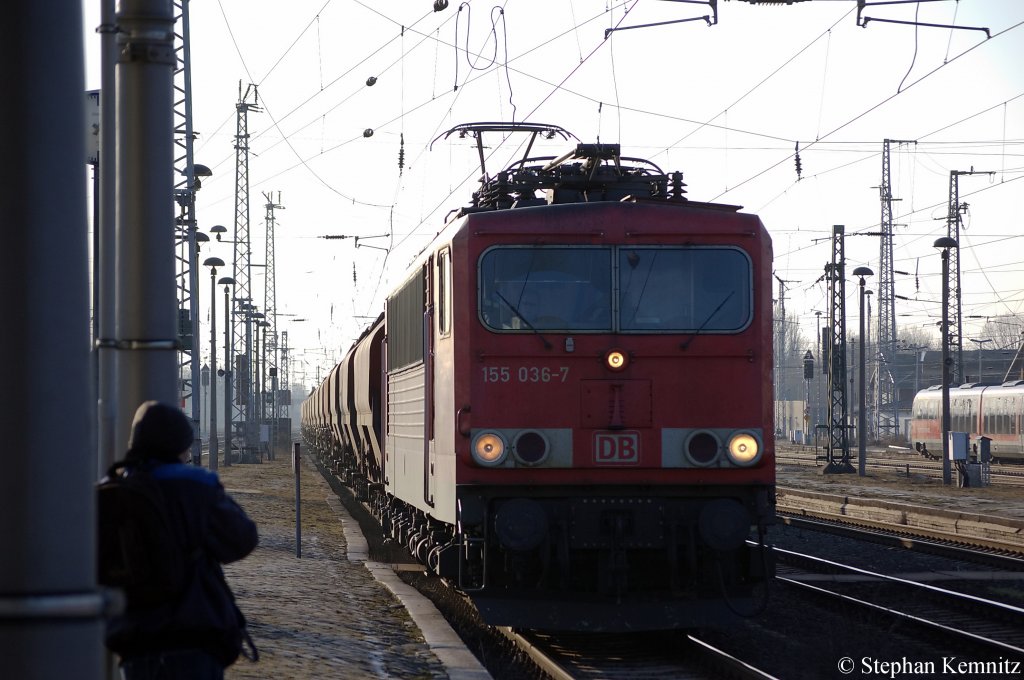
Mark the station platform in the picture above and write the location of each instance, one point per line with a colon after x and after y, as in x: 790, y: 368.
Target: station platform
x: 331, y: 613
x: 901, y: 486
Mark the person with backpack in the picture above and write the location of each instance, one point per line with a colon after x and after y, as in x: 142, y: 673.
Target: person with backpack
x: 165, y: 529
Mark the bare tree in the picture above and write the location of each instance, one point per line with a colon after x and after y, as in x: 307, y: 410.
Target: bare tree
x: 1005, y: 331
x: 919, y: 337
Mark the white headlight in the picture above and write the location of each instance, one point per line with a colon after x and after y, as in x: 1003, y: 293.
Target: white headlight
x: 489, y: 449
x: 744, y: 449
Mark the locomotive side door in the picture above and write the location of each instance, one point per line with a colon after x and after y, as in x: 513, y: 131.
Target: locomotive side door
x: 443, y: 370
x: 429, y: 453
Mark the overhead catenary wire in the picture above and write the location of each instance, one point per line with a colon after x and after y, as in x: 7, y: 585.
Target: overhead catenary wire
x: 564, y: 88
x: 878, y: 104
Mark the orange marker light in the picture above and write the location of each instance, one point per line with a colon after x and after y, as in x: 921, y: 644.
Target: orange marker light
x: 615, y: 359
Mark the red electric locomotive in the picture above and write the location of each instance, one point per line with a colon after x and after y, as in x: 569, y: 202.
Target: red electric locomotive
x: 566, y: 408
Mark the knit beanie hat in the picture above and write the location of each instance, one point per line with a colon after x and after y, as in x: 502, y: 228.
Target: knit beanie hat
x: 159, y: 431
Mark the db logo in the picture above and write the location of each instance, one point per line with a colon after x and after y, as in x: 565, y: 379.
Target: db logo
x: 617, y: 448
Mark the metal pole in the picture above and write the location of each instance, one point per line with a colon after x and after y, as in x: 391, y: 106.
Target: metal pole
x: 263, y: 372
x: 105, y: 268
x: 193, y: 295
x: 296, y: 458
x: 980, y: 344
x: 862, y: 420
x: 146, y: 333
x: 227, y: 281
x: 248, y: 378
x: 51, y: 609
x: 821, y: 374
x: 862, y: 405
x: 213, y: 369
x: 944, y: 243
x: 947, y: 475
x: 257, y: 418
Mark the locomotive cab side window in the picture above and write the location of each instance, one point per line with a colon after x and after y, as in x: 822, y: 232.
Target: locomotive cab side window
x: 443, y: 305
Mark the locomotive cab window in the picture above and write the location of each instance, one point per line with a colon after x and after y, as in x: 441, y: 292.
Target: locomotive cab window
x: 615, y: 289
x: 690, y: 289
x: 546, y: 288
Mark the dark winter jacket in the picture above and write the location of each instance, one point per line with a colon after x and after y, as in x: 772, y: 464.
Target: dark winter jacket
x: 212, y: 530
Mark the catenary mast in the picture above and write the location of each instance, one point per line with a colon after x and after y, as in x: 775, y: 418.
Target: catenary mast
x: 186, y: 174
x: 241, y: 329
x: 886, y: 402
x: 956, y: 325
x: 270, y: 309
x: 838, y: 430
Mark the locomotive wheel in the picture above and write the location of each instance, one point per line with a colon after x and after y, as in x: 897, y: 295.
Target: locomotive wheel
x: 414, y: 540
x: 422, y: 550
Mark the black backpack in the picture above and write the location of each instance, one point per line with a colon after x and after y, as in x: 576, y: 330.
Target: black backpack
x: 138, y: 552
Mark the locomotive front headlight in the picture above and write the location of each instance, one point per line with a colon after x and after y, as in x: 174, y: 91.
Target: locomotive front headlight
x: 615, y: 359
x: 489, y: 449
x: 744, y: 449
x: 702, y: 448
x: 530, y: 448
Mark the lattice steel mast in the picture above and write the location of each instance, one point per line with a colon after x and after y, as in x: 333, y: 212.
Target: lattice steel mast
x: 838, y: 432
x: 241, y: 330
x: 781, y: 385
x: 886, y: 400
x: 270, y: 309
x: 956, y: 326
x: 185, y: 224
x: 284, y: 382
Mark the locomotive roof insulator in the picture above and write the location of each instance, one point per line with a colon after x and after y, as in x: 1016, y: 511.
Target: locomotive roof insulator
x: 589, y: 172
x: 677, y: 193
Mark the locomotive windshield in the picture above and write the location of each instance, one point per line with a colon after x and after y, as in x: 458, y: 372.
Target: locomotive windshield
x: 546, y: 288
x: 615, y: 289
x: 684, y: 289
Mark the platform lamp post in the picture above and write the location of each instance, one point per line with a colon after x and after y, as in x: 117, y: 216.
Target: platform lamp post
x: 218, y: 230
x: 263, y: 326
x: 213, y: 263
x: 255, y: 318
x: 980, y: 343
x: 945, y: 243
x: 227, y: 282
x: 822, y: 372
x: 862, y: 401
x: 871, y: 415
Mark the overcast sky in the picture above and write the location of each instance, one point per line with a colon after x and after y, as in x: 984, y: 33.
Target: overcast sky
x: 725, y: 104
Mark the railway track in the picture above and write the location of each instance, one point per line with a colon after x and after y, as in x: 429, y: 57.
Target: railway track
x: 950, y: 547
x: 639, y: 656
x: 1005, y: 475
x: 1002, y: 535
x: 983, y: 626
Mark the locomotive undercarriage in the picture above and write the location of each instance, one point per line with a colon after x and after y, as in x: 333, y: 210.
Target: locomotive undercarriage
x: 599, y: 563
x: 596, y: 560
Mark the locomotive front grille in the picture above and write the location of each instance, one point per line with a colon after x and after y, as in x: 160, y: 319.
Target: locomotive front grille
x: 617, y: 523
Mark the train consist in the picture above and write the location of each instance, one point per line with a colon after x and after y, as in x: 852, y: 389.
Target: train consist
x: 993, y: 411
x: 566, y: 407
